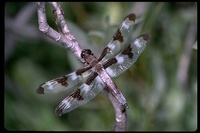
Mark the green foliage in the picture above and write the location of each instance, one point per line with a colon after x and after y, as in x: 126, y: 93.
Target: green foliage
x: 157, y: 99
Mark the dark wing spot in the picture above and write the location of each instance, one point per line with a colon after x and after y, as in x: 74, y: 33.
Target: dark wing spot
x: 104, y: 52
x: 40, y: 90
x: 59, y: 111
x: 131, y: 17
x: 109, y: 63
x: 82, y: 70
x: 62, y: 81
x: 146, y: 37
x: 91, y: 78
x: 128, y: 51
x: 118, y: 36
x: 77, y: 95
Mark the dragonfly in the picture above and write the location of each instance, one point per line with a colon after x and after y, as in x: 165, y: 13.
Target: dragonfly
x: 97, y: 73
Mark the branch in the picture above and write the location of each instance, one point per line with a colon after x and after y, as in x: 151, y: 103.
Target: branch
x: 120, y: 112
x: 67, y: 40
x: 185, y: 59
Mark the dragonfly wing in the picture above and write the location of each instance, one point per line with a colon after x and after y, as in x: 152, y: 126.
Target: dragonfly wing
x: 128, y: 56
x: 120, y: 37
x: 81, y: 96
x: 62, y: 83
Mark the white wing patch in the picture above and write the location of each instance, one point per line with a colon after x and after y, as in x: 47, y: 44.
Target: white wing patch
x: 120, y: 59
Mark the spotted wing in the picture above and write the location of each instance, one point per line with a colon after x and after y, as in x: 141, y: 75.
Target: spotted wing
x: 128, y: 56
x: 82, y: 95
x: 120, y: 38
x: 62, y: 83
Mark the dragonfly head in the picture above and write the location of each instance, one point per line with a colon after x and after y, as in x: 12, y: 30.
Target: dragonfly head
x: 88, y: 56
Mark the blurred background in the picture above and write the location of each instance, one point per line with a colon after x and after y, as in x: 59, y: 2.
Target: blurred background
x: 160, y: 88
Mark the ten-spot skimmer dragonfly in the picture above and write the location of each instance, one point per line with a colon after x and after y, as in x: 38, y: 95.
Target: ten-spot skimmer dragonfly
x: 116, y: 58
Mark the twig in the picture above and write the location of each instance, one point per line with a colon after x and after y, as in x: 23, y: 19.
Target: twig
x: 120, y: 112
x: 66, y: 40
x: 185, y: 59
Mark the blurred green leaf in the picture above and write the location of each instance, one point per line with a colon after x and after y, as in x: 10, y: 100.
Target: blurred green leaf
x: 157, y: 101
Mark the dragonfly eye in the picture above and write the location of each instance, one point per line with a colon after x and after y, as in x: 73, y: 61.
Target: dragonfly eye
x: 85, y: 53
